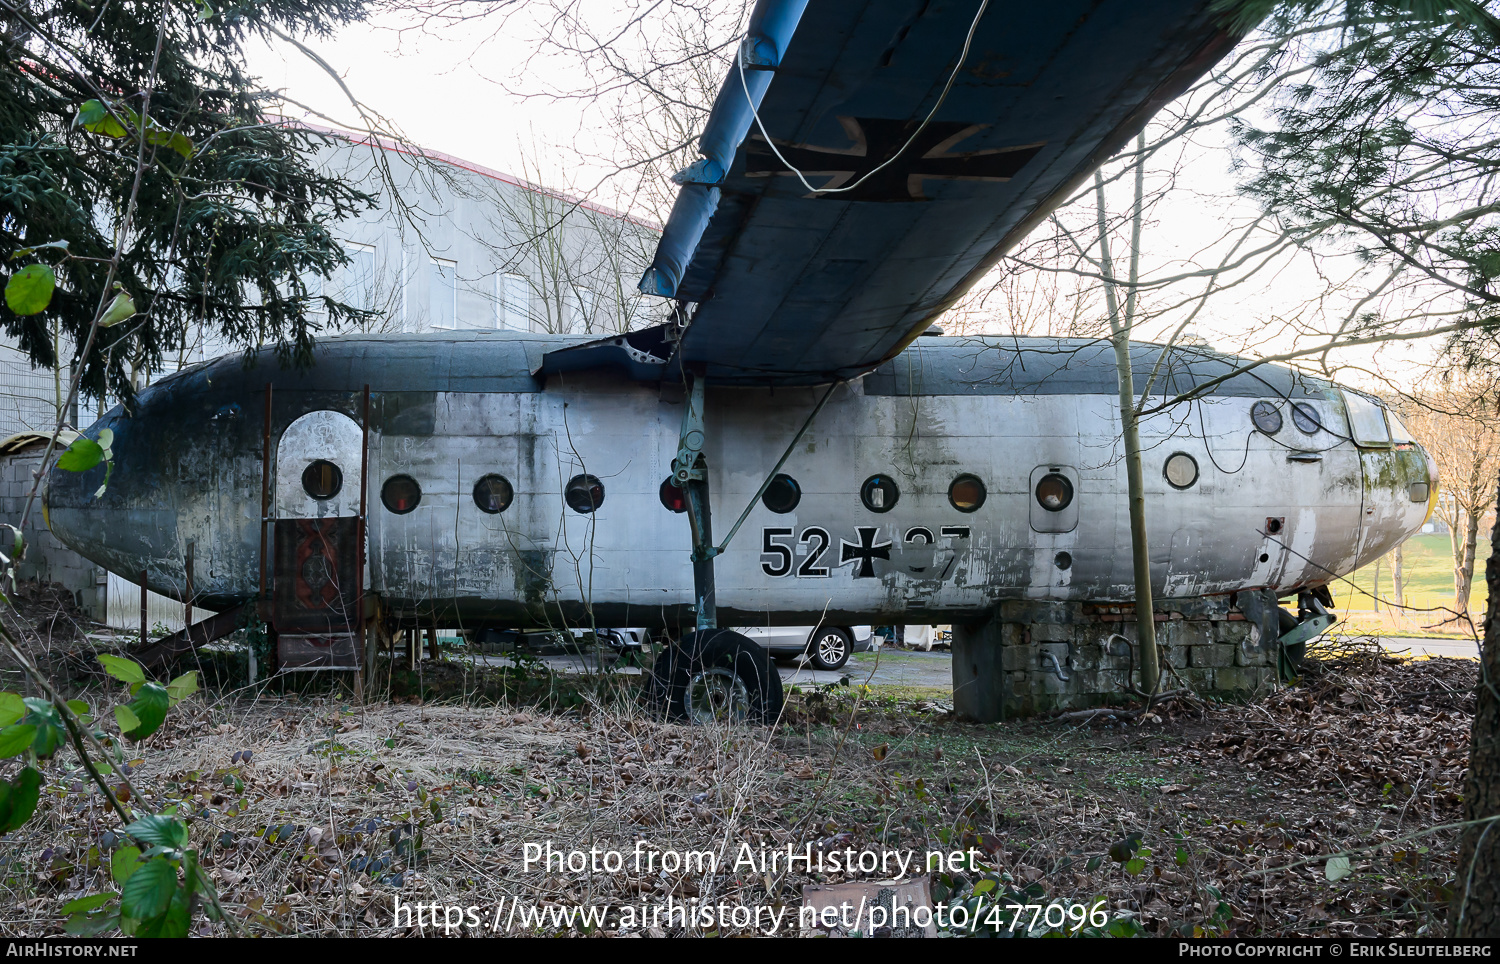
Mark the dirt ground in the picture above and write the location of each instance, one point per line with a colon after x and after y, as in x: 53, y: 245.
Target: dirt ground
x: 315, y: 815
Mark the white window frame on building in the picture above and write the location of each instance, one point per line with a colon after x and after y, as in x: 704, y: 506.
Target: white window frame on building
x: 513, y: 302
x: 442, y: 294
x: 357, y: 278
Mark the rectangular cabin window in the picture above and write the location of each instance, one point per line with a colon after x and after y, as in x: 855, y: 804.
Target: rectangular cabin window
x: 441, y: 292
x: 515, y: 302
x: 357, y: 278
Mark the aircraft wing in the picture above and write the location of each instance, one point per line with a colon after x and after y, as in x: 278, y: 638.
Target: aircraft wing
x: 792, y: 286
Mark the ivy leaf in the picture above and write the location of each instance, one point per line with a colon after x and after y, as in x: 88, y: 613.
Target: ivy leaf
x: 160, y: 830
x: 18, y: 799
x: 14, y: 739
x: 122, y: 307
x: 11, y: 708
x: 1337, y: 868
x: 124, y: 670
x: 123, y: 863
x: 149, y: 890
x: 182, y: 687
x: 81, y: 456
x: 150, y: 708
x: 29, y: 291
x: 93, y: 116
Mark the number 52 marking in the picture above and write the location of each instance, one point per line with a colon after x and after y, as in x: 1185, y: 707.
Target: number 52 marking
x: 814, y: 539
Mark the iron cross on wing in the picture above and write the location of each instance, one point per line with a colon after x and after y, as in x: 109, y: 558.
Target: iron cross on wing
x: 874, y: 141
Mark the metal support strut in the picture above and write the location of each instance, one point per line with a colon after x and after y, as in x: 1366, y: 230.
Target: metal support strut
x: 690, y: 472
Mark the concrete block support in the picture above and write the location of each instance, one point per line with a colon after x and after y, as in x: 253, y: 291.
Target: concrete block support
x: 1013, y: 664
x: 979, y: 674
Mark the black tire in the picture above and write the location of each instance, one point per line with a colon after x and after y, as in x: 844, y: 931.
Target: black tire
x: 716, y: 675
x: 829, y: 648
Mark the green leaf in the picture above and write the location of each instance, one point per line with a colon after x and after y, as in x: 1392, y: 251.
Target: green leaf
x: 49, y: 726
x: 18, y: 799
x: 81, y: 456
x: 182, y: 687
x: 1134, y: 866
x: 174, y: 923
x: 27, y: 252
x: 150, y: 708
x: 11, y: 708
x: 123, y: 863
x: 81, y: 925
x: 122, y: 307
x: 106, y: 440
x: 91, y: 902
x: 1337, y: 868
x: 95, y: 117
x: 1182, y: 857
x: 984, y: 887
x: 15, y: 739
x: 161, y: 830
x: 80, y: 709
x: 149, y: 890
x: 29, y: 291
x: 176, y: 141
x: 124, y: 670
x: 127, y: 720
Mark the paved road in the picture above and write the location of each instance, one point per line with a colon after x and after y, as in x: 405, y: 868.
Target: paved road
x: 1417, y: 646
x: 935, y: 670
x: 884, y: 668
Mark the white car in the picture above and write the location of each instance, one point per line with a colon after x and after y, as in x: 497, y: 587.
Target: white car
x: 827, y: 647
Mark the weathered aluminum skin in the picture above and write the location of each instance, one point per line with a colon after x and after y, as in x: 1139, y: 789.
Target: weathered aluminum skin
x: 449, y: 409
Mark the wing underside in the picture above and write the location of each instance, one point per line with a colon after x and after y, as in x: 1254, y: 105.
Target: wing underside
x: 785, y: 285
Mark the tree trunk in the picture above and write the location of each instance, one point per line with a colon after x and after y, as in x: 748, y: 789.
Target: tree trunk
x: 1456, y: 529
x: 1477, y: 906
x: 1466, y: 569
x: 1398, y: 576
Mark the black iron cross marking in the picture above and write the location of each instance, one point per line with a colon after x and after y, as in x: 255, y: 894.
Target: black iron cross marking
x: 874, y: 141
x: 866, y: 552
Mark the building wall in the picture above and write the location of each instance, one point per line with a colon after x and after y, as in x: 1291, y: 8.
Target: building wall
x: 46, y: 560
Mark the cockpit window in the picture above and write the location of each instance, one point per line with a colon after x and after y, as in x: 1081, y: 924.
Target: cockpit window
x: 1366, y: 421
x: 1399, y: 434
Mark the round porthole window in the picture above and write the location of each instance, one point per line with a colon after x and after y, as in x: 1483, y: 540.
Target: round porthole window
x: 1181, y: 470
x: 1054, y: 492
x: 966, y: 493
x: 322, y: 479
x: 400, y: 494
x: 673, y: 499
x: 782, y: 495
x: 493, y: 493
x: 879, y: 493
x: 1305, y: 417
x: 584, y: 493
x: 1266, y: 416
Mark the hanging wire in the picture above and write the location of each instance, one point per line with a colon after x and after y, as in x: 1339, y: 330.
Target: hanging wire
x: 739, y: 60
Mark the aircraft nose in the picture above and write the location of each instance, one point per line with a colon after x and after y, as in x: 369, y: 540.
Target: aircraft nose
x: 74, y: 508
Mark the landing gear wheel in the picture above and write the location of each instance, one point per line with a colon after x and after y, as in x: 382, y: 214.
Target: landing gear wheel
x: 716, y: 676
x: 829, y: 648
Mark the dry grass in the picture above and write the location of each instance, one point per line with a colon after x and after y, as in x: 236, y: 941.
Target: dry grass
x: 340, y: 809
